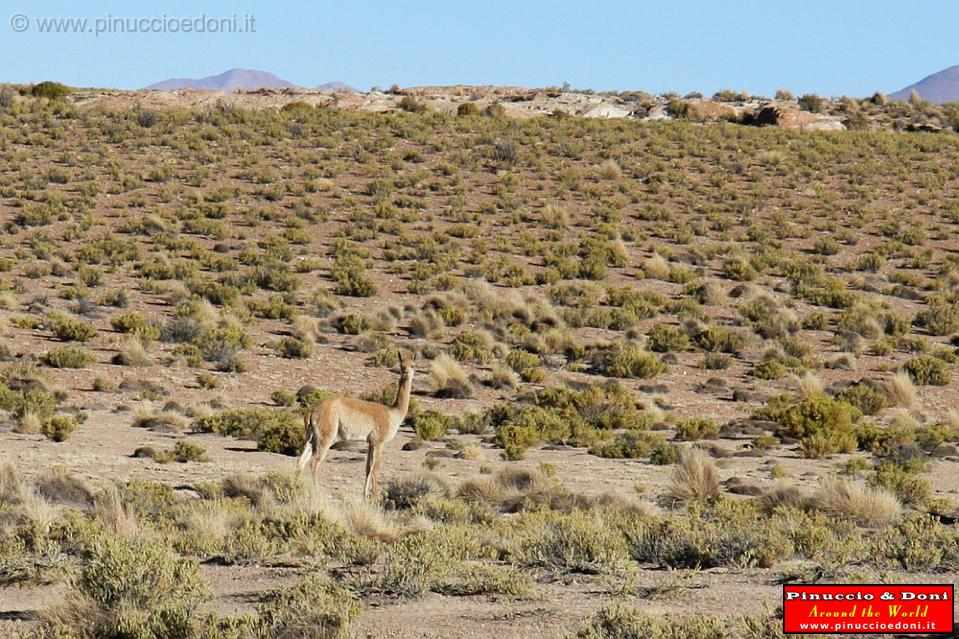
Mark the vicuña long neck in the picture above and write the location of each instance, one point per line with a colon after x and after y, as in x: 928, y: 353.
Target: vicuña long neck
x: 402, y: 403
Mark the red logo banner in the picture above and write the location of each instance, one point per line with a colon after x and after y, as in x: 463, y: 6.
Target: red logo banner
x: 868, y: 608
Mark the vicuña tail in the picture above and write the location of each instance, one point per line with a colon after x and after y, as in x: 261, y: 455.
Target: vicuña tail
x: 310, y: 441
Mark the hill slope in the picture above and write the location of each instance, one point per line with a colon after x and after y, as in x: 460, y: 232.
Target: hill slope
x: 939, y: 87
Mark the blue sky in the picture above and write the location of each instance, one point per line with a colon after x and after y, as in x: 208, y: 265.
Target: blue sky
x: 850, y: 48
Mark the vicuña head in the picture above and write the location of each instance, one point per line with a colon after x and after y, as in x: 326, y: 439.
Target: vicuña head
x: 348, y: 419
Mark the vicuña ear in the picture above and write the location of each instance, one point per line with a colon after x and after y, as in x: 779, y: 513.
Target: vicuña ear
x: 399, y: 354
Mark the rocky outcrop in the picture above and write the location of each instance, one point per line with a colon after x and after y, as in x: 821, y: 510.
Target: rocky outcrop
x: 788, y: 117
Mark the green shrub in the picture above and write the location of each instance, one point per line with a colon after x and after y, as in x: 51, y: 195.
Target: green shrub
x: 294, y: 348
x: 696, y: 428
x: 919, y: 542
x: 616, y: 621
x: 137, y: 325
x: 138, y: 590
x: 68, y: 357
x: 431, y: 425
x: 49, y: 89
x: 284, y: 435
x: 824, y: 425
x: 665, y: 454
x: 739, y: 270
x: 715, y: 339
x: 632, y: 444
x: 316, y: 606
x: 351, y: 279
x: 520, y: 360
x: 940, y: 317
x: 70, y: 329
x: 868, y: 397
x: 770, y: 369
x: 469, y: 346
x: 912, y: 490
x: 283, y: 398
x: 577, y: 542
x: 282, y: 430
x: 183, y: 452
x: 926, y: 370
x: 59, y: 428
x: 664, y: 338
x: 353, y: 324
x: 629, y: 360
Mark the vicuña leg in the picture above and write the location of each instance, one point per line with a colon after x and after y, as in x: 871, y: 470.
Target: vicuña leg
x: 373, y: 459
x: 327, y: 437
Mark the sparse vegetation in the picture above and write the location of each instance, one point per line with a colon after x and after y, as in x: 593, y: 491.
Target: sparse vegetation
x: 640, y: 306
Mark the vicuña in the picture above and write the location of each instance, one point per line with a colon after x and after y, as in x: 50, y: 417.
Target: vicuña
x: 348, y: 419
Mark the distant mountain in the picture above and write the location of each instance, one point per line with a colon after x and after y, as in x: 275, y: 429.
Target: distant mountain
x: 227, y: 81
x: 939, y: 87
x: 331, y: 87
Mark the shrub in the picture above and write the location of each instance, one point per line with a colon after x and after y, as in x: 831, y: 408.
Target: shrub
x: 136, y: 584
x: 284, y: 434
x: 470, y: 346
x: 919, y: 542
x: 59, y: 428
x: 411, y: 104
x: 316, y: 607
x: 68, y: 357
x: 664, y: 338
x: 285, y: 428
x: 578, y: 542
x: 283, y: 398
x: 49, y: 89
x: 912, y: 490
x: 940, y: 317
x: 137, y: 325
x: 431, y: 425
x: 715, y: 339
x: 665, y: 454
x: 927, y: 370
x: 696, y: 428
x: 632, y: 444
x: 770, y: 369
x: 466, y: 109
x: 183, y: 452
x: 70, y: 329
x: 294, y: 348
x: 739, y: 270
x: 351, y: 279
x: 616, y: 621
x: 824, y: 425
x: 866, y: 396
x: 628, y: 360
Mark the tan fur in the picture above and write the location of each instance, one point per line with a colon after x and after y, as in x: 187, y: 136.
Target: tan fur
x: 349, y: 419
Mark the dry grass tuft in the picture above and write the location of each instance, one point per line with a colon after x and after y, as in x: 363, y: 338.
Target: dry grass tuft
x: 694, y: 477
x: 29, y: 424
x: 783, y: 495
x: 108, y: 507
x: 447, y: 378
x: 145, y: 416
x: 132, y: 352
x: 370, y: 520
x: 808, y: 384
x: 900, y: 390
x: 867, y: 505
x: 656, y: 267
